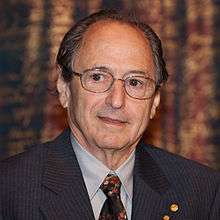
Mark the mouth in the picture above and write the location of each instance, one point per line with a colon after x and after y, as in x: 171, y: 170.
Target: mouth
x: 112, y: 121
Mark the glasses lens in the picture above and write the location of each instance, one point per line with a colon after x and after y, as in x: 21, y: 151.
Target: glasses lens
x: 140, y: 87
x: 96, y: 80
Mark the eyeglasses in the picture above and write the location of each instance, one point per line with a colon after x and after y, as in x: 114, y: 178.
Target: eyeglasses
x: 99, y: 81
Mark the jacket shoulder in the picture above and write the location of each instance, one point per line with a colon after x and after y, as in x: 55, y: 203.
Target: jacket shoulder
x: 178, y: 167
x: 32, y: 155
x: 26, y: 167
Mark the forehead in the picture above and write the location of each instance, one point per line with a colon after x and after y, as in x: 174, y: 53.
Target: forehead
x: 114, y: 29
x: 119, y: 46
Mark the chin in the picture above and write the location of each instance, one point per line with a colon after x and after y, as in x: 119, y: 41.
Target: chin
x: 111, y: 144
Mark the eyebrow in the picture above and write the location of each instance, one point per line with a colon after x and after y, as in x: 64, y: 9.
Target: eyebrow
x: 102, y: 68
x: 106, y: 69
x: 138, y: 72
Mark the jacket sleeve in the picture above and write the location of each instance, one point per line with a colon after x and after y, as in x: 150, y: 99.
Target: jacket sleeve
x: 1, y: 218
x: 215, y: 211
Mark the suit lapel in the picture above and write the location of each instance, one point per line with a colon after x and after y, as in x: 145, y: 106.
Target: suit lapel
x: 150, y: 184
x: 65, y: 194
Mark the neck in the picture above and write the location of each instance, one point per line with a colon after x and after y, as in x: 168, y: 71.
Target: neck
x: 112, y: 157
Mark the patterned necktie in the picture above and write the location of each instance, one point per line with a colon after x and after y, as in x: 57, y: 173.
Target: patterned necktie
x: 113, y: 208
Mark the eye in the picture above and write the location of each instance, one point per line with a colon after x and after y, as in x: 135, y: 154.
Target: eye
x: 135, y: 82
x: 97, y: 76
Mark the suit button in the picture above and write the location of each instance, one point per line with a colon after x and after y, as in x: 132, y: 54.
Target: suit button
x: 174, y: 207
x: 166, y: 217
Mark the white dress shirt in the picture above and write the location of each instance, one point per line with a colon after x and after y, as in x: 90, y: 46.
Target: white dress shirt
x: 94, y: 173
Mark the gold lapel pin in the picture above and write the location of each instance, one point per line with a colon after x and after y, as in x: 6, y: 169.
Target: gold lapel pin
x: 174, y: 207
x: 166, y: 217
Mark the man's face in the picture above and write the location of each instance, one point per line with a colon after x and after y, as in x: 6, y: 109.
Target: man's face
x: 112, y: 119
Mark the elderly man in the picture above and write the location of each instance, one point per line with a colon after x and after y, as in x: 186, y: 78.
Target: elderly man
x: 110, y: 71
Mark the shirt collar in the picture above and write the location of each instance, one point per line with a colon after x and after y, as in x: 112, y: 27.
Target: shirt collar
x: 94, y: 171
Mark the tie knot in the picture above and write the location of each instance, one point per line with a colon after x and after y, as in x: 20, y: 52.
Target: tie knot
x: 111, y: 185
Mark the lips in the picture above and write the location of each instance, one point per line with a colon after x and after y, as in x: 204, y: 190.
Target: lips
x: 113, y: 121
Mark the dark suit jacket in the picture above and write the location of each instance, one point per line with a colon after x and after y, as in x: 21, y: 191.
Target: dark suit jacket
x: 45, y: 182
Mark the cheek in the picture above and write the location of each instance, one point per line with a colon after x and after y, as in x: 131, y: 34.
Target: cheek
x: 85, y: 105
x: 76, y: 104
x: 141, y: 115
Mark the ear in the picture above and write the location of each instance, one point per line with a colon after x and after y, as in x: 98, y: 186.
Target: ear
x: 155, y: 104
x: 63, y: 89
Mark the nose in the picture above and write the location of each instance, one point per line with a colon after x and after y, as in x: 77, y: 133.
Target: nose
x: 116, y: 95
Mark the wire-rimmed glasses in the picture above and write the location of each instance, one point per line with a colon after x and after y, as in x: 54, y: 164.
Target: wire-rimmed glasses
x: 136, y: 85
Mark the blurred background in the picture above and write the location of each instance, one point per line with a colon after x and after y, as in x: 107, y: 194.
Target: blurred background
x: 188, y: 120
